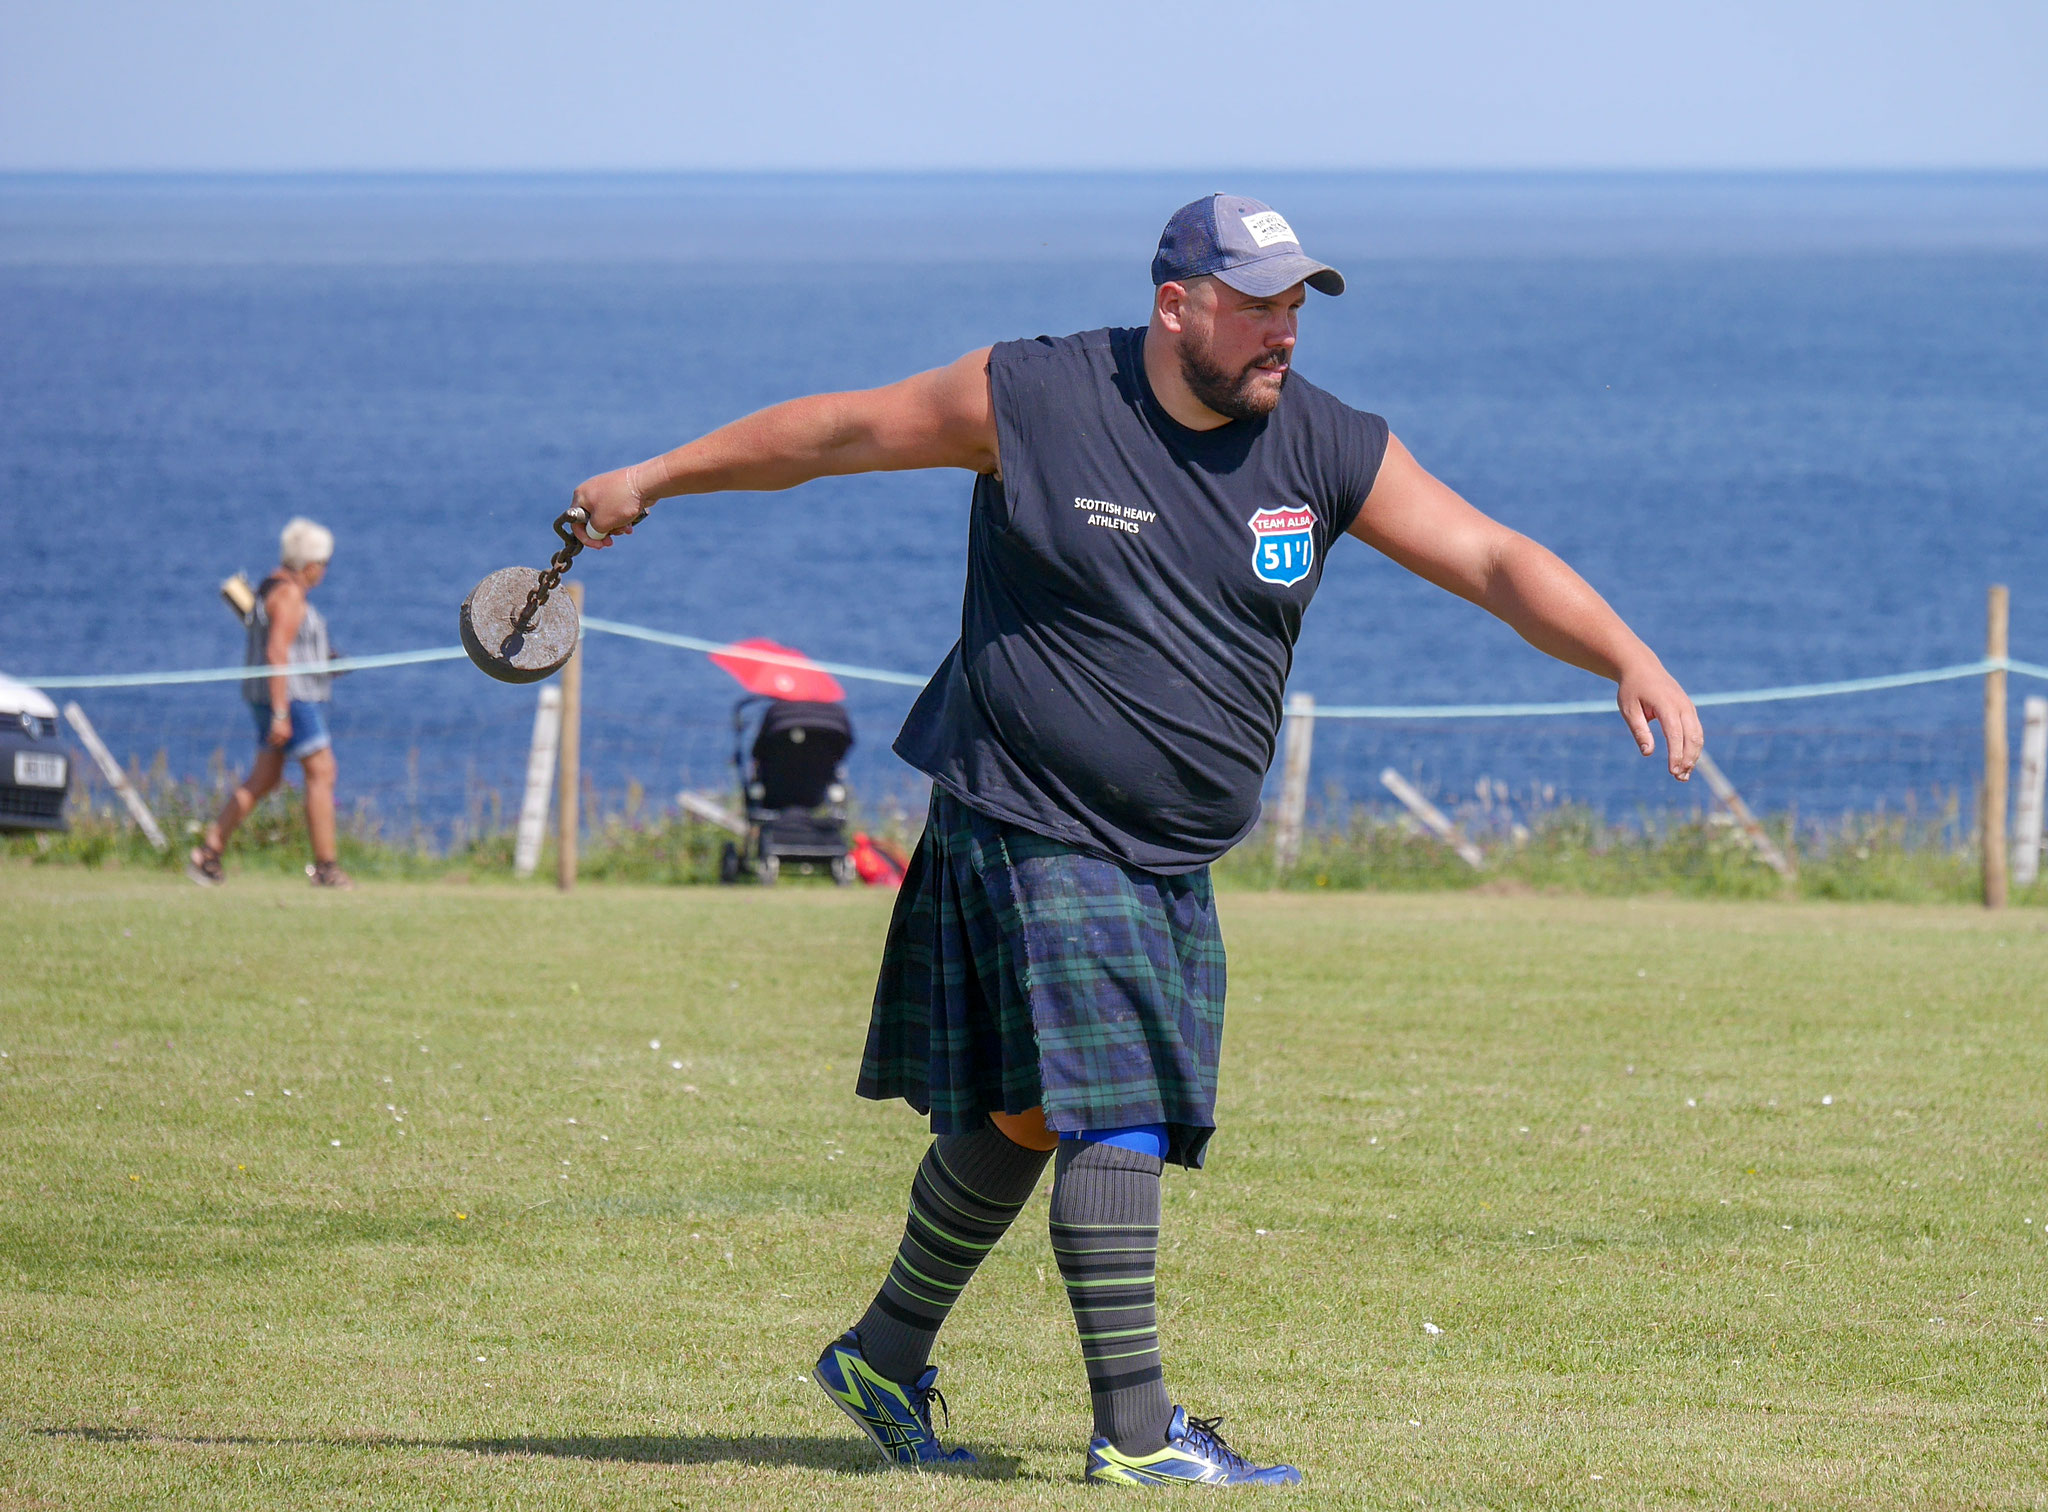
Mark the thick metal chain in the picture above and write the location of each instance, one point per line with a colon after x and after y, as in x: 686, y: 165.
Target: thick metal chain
x: 546, y: 583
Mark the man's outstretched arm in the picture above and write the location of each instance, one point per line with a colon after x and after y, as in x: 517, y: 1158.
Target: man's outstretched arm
x: 942, y: 418
x: 1426, y: 527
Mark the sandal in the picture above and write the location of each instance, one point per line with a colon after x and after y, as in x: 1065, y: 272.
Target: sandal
x: 329, y: 874
x: 203, y: 866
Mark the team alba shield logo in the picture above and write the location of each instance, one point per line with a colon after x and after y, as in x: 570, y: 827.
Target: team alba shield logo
x: 1284, y: 544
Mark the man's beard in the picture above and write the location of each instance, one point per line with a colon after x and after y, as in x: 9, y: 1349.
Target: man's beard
x: 1235, y: 396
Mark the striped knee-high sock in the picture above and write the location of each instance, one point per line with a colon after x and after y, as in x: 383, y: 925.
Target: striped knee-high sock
x: 1105, y: 1235
x: 967, y: 1191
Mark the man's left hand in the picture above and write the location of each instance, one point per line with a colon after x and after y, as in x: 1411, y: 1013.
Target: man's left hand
x: 1649, y: 695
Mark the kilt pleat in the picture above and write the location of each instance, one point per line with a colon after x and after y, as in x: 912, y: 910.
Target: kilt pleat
x: 1021, y: 972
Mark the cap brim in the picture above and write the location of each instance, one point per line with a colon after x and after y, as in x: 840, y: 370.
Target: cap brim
x: 1270, y: 275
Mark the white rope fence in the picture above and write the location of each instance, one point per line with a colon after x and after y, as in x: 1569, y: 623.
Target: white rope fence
x: 1791, y: 691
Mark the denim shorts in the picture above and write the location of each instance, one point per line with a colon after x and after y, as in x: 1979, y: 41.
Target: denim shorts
x: 309, y: 729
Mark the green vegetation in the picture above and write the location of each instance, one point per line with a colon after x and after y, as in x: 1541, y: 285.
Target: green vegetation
x: 1900, y: 858
x: 623, y: 843
x: 388, y: 1199
x: 1869, y: 858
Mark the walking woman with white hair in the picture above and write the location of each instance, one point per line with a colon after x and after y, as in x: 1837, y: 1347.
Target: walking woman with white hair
x: 290, y: 710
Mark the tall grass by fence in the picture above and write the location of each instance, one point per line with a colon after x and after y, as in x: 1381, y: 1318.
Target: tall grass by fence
x: 1923, y: 852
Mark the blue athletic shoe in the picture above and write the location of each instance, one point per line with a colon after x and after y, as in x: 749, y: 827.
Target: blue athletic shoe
x: 898, y: 1417
x: 1194, y: 1452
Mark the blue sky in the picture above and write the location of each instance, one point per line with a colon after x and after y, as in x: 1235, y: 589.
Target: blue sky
x: 911, y: 84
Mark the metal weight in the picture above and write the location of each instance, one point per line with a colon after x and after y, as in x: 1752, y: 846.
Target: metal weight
x: 490, y: 631
x: 511, y: 626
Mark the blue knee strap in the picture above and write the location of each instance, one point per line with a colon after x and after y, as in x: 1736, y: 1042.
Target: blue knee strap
x: 1146, y: 1139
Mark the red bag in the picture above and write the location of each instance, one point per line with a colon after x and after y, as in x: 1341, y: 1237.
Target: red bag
x: 876, y: 863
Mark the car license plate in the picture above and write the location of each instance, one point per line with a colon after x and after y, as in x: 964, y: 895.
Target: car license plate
x: 38, y: 769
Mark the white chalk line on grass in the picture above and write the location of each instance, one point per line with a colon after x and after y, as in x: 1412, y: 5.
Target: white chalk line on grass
x: 626, y: 631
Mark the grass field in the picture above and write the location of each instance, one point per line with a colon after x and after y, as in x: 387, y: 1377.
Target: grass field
x: 387, y: 1200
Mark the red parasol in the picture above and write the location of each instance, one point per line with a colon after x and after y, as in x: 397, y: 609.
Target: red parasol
x: 761, y: 666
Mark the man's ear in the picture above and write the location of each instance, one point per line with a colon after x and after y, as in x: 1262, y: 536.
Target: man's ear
x: 1170, y: 303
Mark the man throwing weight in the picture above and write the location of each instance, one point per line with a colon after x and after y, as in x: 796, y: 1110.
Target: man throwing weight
x: 1152, y: 510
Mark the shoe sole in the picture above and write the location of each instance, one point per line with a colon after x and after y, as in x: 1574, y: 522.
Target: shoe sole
x: 195, y: 875
x: 888, y: 1454
x: 1149, y: 1481
x: 1127, y: 1476
x: 818, y: 1375
x: 1134, y: 1475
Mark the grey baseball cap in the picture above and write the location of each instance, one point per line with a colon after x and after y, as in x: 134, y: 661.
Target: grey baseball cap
x: 1248, y: 245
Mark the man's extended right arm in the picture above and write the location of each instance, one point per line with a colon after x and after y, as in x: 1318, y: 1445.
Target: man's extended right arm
x: 942, y: 418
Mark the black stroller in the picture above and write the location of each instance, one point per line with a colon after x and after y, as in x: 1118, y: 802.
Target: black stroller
x: 792, y: 789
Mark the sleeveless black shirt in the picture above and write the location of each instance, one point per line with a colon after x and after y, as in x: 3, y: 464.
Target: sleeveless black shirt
x: 1134, y: 592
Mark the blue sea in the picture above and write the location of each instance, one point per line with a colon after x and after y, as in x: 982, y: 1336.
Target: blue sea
x: 1791, y: 426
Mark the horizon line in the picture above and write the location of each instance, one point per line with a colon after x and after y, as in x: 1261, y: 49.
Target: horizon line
x: 1693, y: 171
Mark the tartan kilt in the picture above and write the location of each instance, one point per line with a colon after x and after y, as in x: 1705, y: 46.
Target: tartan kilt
x: 1021, y: 972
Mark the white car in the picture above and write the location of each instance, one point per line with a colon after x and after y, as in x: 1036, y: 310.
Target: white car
x: 35, y: 769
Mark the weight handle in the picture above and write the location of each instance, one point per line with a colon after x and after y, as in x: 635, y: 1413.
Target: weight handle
x: 582, y: 517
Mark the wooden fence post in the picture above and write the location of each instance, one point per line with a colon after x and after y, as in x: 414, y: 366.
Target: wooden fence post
x: 1759, y: 840
x: 540, y: 776
x: 1432, y: 817
x: 1299, y: 731
x: 2027, y: 815
x: 118, y: 779
x: 1991, y: 820
x: 568, y: 769
x: 711, y: 811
